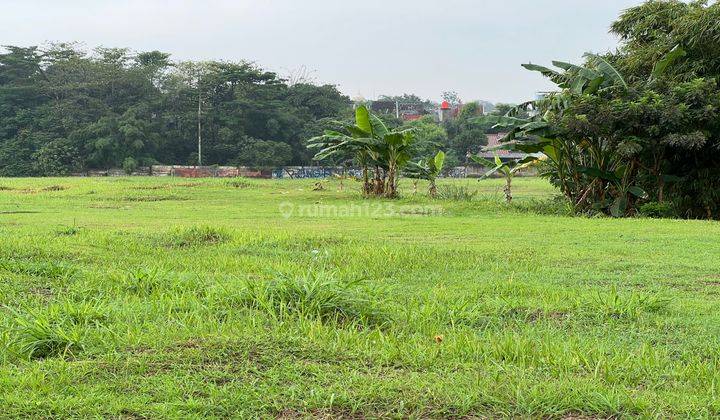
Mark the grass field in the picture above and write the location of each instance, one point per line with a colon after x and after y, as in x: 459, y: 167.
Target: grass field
x: 152, y: 297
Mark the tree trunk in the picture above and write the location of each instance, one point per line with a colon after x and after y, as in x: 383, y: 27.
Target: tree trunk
x: 379, y: 188
x: 391, y: 190
x: 415, y: 182
x: 508, y: 190
x: 433, y: 189
x: 366, y: 181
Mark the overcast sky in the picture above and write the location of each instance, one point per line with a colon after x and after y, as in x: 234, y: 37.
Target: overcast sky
x: 367, y: 48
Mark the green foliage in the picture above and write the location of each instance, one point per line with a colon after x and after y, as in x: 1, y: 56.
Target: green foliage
x: 466, y: 134
x: 129, y: 165
x: 657, y: 210
x: 637, y: 126
x: 507, y: 169
x: 58, y: 330
x: 264, y: 154
x: 373, y: 145
x: 64, y: 111
x: 428, y: 169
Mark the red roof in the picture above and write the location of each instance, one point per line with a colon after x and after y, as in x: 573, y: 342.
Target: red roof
x: 445, y: 105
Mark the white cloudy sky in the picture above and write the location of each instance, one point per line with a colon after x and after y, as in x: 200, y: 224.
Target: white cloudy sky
x: 368, y: 47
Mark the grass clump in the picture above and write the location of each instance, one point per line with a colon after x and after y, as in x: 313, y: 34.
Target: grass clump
x: 58, y: 330
x: 196, y: 236
x: 627, y: 305
x: 239, y: 183
x: 456, y: 193
x: 316, y: 296
x: 55, y: 188
x: 67, y: 231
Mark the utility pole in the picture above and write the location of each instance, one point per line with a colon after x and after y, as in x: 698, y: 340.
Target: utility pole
x: 397, y: 109
x: 199, y: 126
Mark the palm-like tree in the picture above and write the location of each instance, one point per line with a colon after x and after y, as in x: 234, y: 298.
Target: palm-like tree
x: 374, y: 146
x: 428, y: 169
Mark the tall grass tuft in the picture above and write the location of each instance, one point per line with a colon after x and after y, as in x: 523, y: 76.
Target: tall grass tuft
x: 196, y: 236
x: 628, y: 305
x: 316, y: 296
x: 58, y: 330
x: 456, y: 193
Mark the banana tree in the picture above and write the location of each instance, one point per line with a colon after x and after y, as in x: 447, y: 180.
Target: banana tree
x: 428, y: 169
x: 373, y: 145
x: 589, y: 172
x: 506, y: 169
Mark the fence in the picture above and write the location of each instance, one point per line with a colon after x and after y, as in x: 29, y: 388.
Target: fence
x: 286, y: 172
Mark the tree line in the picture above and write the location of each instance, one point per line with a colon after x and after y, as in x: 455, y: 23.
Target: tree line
x: 66, y: 110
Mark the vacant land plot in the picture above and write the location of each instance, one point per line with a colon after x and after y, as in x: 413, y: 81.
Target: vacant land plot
x: 147, y: 297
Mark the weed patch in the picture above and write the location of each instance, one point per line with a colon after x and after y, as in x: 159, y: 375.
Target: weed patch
x: 55, y: 188
x: 626, y: 305
x: 456, y: 193
x: 148, y: 281
x: 67, y: 231
x: 153, y: 198
x: 58, y: 330
x: 239, y: 183
x: 195, y: 236
x: 316, y: 296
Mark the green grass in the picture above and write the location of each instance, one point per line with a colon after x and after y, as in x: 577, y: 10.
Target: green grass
x: 161, y: 297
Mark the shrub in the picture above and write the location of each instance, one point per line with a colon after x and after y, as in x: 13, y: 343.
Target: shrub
x: 657, y: 210
x: 129, y: 165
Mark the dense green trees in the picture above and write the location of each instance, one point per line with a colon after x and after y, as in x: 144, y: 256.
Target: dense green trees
x: 62, y: 110
x: 639, y: 127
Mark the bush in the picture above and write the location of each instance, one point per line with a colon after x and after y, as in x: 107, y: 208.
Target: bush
x: 129, y: 165
x: 657, y: 210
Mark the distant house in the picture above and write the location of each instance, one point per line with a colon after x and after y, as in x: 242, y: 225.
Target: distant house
x: 505, y: 155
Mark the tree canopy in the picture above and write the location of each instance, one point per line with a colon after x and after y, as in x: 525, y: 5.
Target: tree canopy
x: 64, y: 110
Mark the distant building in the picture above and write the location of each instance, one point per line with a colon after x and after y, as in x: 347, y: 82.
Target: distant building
x: 504, y: 155
x: 449, y: 112
x: 403, y: 111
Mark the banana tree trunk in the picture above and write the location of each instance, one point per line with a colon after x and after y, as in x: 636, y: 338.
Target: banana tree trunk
x: 366, y: 181
x: 433, y: 189
x: 391, y: 191
x: 508, y: 189
x: 379, y: 187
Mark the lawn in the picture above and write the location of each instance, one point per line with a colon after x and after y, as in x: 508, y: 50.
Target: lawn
x: 159, y: 297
